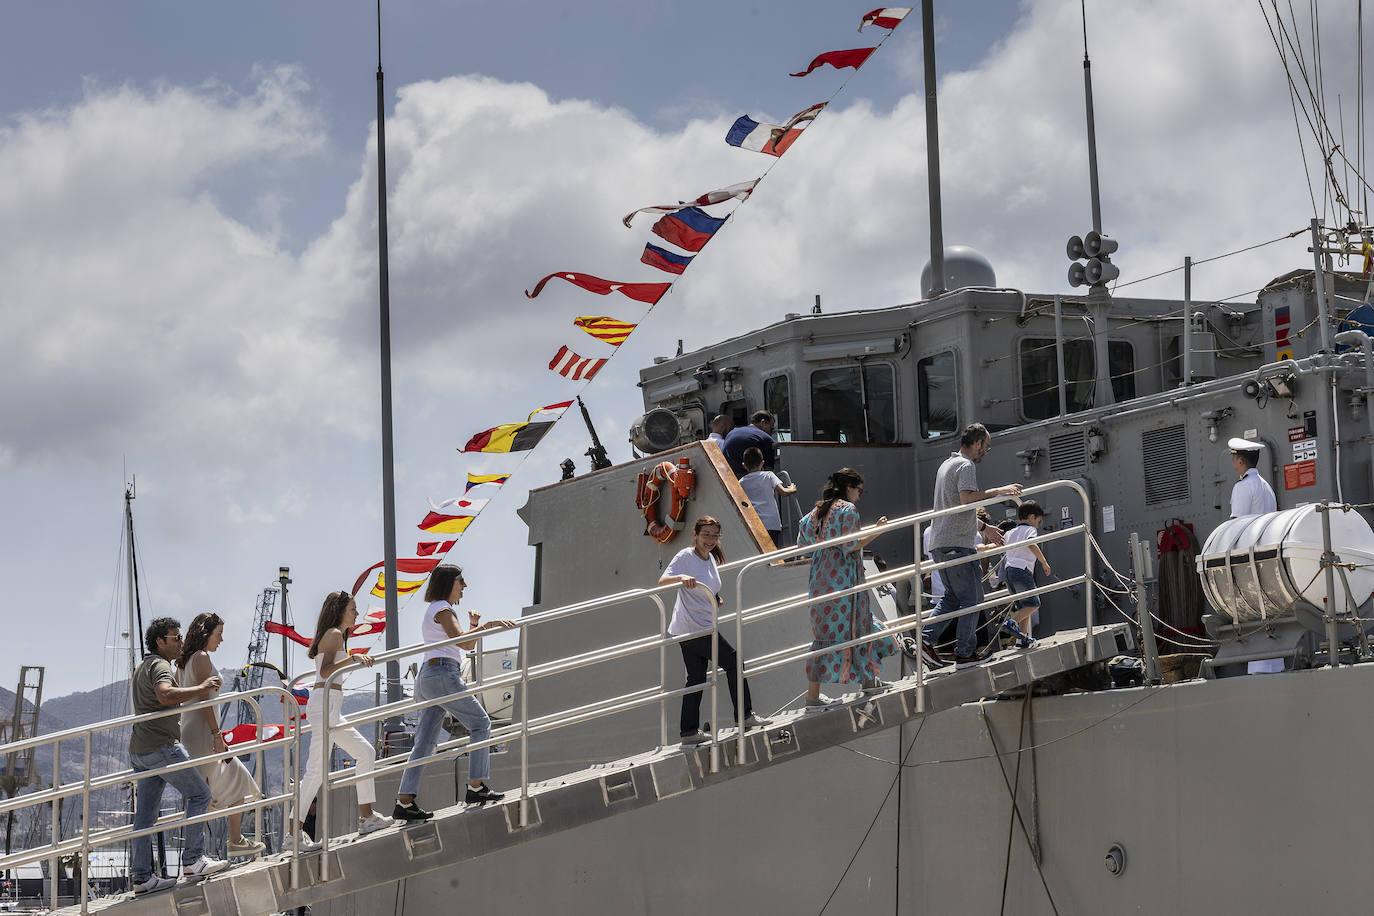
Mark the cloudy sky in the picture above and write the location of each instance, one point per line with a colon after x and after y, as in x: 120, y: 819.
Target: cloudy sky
x: 188, y: 245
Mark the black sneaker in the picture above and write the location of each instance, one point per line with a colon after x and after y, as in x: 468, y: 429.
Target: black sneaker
x: 482, y: 795
x: 410, y: 812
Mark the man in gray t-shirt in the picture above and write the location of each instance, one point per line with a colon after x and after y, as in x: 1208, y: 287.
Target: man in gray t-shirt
x: 157, y: 743
x: 956, y: 535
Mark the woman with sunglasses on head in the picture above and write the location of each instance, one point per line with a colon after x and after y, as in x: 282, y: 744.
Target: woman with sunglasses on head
x: 329, y: 649
x: 834, y: 569
x: 692, y: 613
x: 441, y: 675
x: 229, y: 780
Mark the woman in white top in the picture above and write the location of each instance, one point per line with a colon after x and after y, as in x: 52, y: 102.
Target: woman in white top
x: 329, y: 649
x: 692, y: 613
x: 229, y: 780
x: 441, y: 675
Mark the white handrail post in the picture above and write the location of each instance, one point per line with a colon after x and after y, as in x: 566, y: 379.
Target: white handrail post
x: 1087, y: 568
x: 742, y: 708
x: 525, y: 727
x: 715, y: 684
x: 56, y: 812
x: 662, y: 673
x: 86, y: 825
x: 292, y: 764
x: 326, y: 757
x: 918, y: 599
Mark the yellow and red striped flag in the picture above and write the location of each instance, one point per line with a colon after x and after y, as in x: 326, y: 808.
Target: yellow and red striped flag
x: 403, y: 586
x: 438, y: 523
x: 604, y: 328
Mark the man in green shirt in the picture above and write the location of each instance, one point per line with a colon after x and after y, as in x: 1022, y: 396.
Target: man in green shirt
x: 156, y: 744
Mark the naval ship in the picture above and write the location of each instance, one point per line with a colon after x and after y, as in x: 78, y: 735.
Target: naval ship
x: 1126, y: 761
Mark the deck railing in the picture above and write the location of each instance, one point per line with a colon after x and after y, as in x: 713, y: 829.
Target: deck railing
x: 524, y: 727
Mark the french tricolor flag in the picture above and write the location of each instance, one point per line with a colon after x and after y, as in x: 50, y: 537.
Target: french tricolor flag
x: 689, y: 229
x: 664, y: 259
x: 769, y: 139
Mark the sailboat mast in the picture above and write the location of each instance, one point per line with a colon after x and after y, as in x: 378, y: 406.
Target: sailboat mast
x: 135, y: 637
x: 393, y: 669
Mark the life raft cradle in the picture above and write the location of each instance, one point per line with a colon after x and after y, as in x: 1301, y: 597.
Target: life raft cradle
x: 682, y: 479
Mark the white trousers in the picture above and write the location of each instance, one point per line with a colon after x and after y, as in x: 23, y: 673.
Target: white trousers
x: 349, y: 739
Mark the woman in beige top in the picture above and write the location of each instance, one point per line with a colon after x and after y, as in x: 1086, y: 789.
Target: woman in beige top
x: 229, y: 780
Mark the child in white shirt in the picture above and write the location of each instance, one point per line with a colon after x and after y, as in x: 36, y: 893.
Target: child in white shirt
x: 1019, y: 565
x: 760, y: 486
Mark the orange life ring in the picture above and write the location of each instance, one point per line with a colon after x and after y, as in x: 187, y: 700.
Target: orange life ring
x: 682, y: 479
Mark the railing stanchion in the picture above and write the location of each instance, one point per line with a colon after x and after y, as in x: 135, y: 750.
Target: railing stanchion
x: 56, y: 818
x: 715, y: 683
x: 1087, y: 568
x: 525, y: 727
x: 918, y: 600
x: 86, y: 826
x: 662, y: 673
x: 326, y: 753
x: 742, y: 708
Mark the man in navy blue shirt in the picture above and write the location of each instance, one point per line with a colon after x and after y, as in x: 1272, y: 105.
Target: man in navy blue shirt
x: 759, y: 436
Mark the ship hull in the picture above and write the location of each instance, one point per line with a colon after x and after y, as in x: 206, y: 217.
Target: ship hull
x: 1190, y: 780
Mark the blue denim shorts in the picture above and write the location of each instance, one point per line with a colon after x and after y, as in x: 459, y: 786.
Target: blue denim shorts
x: 1021, y: 580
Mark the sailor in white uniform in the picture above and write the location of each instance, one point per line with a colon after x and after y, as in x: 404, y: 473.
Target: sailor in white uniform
x: 1252, y: 495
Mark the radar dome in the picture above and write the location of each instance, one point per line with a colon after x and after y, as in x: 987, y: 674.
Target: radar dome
x: 964, y: 267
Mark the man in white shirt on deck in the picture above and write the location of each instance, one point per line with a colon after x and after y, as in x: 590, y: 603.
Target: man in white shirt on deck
x: 1252, y: 495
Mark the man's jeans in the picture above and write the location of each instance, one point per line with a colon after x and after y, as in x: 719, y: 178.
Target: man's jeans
x: 193, y: 790
x: 963, y: 588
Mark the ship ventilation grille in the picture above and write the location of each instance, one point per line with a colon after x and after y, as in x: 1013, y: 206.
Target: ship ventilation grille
x: 1165, y: 452
x: 1067, y: 451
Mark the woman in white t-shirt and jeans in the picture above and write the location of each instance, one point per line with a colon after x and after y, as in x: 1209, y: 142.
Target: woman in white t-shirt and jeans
x: 441, y: 675
x: 692, y: 613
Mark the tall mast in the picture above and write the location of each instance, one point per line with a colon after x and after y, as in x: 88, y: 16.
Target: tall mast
x: 937, y: 232
x: 393, y: 669
x: 135, y: 637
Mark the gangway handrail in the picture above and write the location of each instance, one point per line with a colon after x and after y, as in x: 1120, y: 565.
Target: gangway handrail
x: 914, y: 522
x: 530, y: 726
x: 89, y: 839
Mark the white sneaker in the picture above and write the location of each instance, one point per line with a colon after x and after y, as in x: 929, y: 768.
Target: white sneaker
x: 299, y: 843
x: 247, y: 849
x: 203, y: 867
x: 154, y: 883
x: 372, y: 824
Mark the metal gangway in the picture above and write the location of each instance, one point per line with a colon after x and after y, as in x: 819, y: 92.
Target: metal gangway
x: 540, y: 808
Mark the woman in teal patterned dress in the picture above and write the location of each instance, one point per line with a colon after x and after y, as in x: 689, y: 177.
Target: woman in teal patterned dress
x: 833, y: 569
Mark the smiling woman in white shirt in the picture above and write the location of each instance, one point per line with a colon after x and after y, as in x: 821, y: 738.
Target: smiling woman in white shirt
x: 693, y: 613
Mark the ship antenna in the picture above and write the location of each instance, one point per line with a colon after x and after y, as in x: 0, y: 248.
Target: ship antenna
x: 393, y: 669
x: 1092, y: 130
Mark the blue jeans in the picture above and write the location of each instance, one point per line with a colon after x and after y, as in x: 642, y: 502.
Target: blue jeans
x: 963, y: 588
x: 441, y: 680
x: 193, y: 790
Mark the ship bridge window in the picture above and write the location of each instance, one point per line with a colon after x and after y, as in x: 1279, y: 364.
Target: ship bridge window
x: 939, y: 395
x: 1040, y: 377
x: 838, y: 398
x: 777, y: 400
x: 1121, y: 365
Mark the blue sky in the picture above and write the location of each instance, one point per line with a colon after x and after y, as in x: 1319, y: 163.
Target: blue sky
x: 187, y: 244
